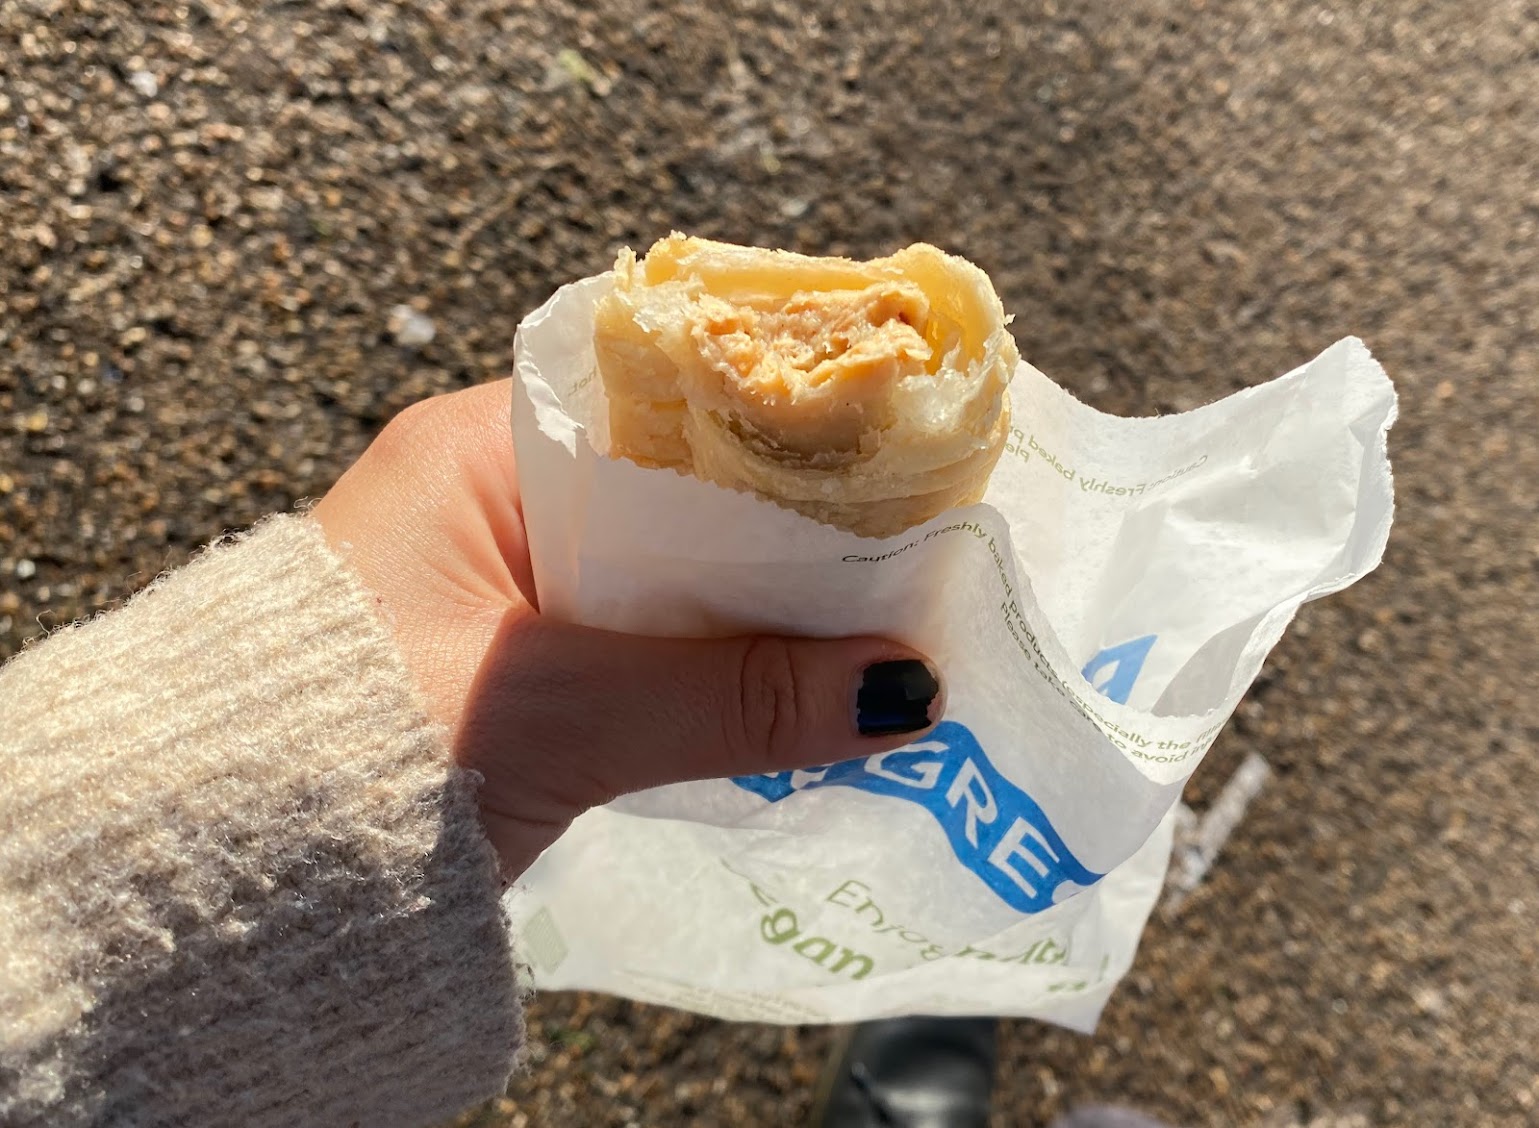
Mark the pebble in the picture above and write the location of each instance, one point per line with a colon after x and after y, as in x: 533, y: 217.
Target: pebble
x: 1429, y: 1000
x: 145, y: 83
x: 569, y: 67
x: 410, y: 328
x: 25, y: 569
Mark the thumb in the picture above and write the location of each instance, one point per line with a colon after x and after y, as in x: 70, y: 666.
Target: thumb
x: 743, y: 706
x: 562, y: 718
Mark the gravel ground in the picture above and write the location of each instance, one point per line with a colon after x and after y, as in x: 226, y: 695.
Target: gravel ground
x: 213, y: 210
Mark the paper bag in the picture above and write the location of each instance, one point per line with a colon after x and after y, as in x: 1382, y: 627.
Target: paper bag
x: 1097, y: 618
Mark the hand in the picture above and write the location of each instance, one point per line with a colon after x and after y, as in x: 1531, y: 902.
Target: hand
x: 559, y: 718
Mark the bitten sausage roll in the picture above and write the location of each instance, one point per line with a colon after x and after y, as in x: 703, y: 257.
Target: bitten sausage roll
x: 867, y: 395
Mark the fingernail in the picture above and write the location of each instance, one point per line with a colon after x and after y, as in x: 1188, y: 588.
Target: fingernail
x: 895, y: 697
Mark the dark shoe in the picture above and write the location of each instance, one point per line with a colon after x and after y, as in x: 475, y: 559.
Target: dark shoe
x: 910, y: 1073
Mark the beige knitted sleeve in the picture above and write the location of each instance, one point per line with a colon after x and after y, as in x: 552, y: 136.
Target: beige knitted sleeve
x: 241, y: 881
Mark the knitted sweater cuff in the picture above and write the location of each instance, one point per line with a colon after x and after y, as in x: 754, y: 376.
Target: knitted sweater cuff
x: 241, y: 879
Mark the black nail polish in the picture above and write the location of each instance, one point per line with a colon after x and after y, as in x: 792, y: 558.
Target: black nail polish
x: 895, y: 697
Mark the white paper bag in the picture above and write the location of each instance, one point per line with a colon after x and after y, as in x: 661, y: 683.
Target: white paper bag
x: 1097, y: 618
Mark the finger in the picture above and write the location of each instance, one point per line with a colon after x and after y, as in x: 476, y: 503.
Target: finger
x: 585, y: 715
